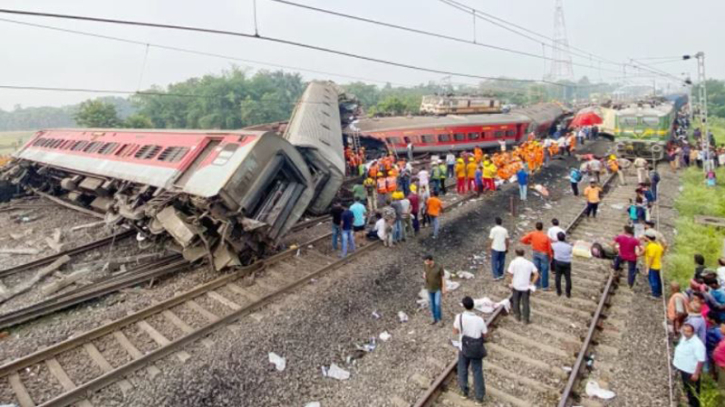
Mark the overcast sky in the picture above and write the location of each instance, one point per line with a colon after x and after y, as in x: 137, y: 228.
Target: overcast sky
x: 613, y: 29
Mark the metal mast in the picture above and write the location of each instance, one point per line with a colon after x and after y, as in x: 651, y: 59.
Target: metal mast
x: 561, y: 67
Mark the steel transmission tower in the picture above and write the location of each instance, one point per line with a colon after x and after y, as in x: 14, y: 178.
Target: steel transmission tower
x: 561, y: 67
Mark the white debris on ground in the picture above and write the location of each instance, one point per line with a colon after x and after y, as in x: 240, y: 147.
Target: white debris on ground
x: 384, y: 336
x: 278, y: 361
x: 593, y: 390
x: 335, y: 372
x: 402, y: 316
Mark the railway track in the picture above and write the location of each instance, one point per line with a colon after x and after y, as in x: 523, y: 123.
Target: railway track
x: 542, y: 364
x: 163, y: 329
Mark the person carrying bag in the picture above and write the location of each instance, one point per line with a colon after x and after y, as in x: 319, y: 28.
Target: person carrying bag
x: 472, y: 330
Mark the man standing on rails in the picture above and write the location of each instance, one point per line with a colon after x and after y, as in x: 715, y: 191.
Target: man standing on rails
x: 522, y: 275
x: 689, y: 359
x: 434, y: 207
x: 562, y: 263
x: 471, y: 330
x: 640, y: 164
x: 450, y: 164
x: 541, y: 245
x: 628, y: 248
x: 592, y: 193
x: 499, y: 237
x: 435, y: 284
x: 653, y: 252
x: 336, y: 215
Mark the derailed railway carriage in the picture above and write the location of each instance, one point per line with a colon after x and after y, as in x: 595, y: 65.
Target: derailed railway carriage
x: 227, y: 195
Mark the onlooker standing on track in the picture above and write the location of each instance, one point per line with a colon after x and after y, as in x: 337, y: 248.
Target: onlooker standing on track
x: 423, y: 178
x: 653, y: 262
x: 434, y: 208
x: 358, y: 192
x: 407, y: 219
x: 358, y: 225
x: 499, y: 237
x: 553, y: 232
x: 435, y: 284
x: 542, y: 253
x: 450, y: 164
x: 522, y: 176
x: 562, y: 263
x: 471, y: 330
x: 628, y: 249
x: 689, y: 359
x: 592, y: 194
x: 336, y: 215
x: 678, y: 307
x: 442, y: 171
x: 575, y: 176
x: 398, y: 228
x: 595, y: 168
x: 649, y: 227
x: 348, y: 238
x: 697, y: 321
x: 522, y: 274
x: 640, y: 164
x: 414, y: 200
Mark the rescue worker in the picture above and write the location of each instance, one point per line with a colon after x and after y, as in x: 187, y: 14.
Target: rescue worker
x: 442, y: 175
x: 613, y: 165
x: 471, y: 174
x: 373, y: 170
x: 391, y: 182
x: 460, y: 176
x: 371, y: 194
x: 435, y: 177
x: 382, y: 189
x: 489, y: 172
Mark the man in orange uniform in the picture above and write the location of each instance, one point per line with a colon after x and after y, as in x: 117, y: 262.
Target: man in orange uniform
x: 471, y: 174
x: 478, y: 153
x: 460, y: 176
x: 434, y: 208
x: 382, y: 189
x: 541, y: 246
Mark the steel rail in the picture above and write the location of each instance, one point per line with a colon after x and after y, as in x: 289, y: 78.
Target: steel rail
x: 106, y: 379
x: 435, y: 388
x: 70, y: 252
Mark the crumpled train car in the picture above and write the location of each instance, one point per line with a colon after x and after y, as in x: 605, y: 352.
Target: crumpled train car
x: 227, y: 195
x: 315, y: 129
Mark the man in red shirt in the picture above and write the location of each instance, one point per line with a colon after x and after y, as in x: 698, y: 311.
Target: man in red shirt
x: 629, y: 248
x: 541, y: 246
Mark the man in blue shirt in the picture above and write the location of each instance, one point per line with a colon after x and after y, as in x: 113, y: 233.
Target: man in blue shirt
x: 358, y: 225
x: 523, y: 178
x: 348, y: 239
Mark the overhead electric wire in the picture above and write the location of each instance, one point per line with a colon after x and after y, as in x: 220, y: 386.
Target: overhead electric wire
x: 426, y: 33
x: 272, y: 40
x: 196, y: 52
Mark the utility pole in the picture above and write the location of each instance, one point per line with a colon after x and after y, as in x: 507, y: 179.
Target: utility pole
x: 702, y: 96
x: 561, y: 66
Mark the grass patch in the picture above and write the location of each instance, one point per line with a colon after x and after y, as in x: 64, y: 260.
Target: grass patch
x: 717, y: 126
x: 12, y: 140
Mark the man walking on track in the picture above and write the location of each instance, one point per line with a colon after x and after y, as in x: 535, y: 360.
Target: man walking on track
x: 575, y: 176
x: 629, y: 248
x: 522, y: 274
x: 435, y: 285
x: 471, y: 330
x: 592, y: 193
x: 499, y: 237
x: 653, y: 263
x: 640, y: 164
x: 434, y: 207
x: 522, y: 176
x: 562, y: 263
x: 541, y: 245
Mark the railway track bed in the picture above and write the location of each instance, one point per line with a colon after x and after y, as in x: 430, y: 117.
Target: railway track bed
x: 533, y: 365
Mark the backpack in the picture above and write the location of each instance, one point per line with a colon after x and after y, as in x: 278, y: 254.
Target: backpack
x: 576, y: 175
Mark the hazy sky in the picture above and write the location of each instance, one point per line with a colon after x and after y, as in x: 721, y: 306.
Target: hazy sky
x: 613, y: 29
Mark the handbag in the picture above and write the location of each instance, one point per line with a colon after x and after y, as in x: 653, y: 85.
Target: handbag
x: 472, y: 348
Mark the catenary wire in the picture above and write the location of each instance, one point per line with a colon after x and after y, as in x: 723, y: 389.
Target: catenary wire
x: 272, y: 40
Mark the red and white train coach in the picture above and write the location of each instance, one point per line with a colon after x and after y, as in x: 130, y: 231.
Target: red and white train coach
x: 228, y: 192
x: 457, y: 132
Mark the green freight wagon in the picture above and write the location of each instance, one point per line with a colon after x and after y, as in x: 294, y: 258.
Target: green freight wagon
x: 639, y: 130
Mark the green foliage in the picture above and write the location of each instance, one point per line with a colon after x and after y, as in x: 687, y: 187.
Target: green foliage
x: 710, y: 395
x: 138, y: 121
x: 227, y: 101
x: 96, y: 113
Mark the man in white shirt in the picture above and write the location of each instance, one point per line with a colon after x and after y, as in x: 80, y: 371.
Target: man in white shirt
x: 499, y: 237
x: 553, y: 232
x: 423, y: 177
x: 522, y: 275
x: 640, y: 164
x: 689, y: 359
x: 380, y: 230
x: 450, y: 163
x: 471, y: 325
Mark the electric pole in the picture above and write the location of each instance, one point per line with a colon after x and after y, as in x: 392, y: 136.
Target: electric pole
x: 702, y: 96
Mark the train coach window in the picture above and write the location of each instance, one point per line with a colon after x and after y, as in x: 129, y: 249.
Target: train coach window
x: 107, y: 148
x: 38, y: 142
x: 66, y: 144
x: 498, y: 134
x: 126, y: 150
x: 651, y: 120
x: 428, y: 138
x: 57, y: 143
x: 444, y: 138
x: 459, y: 137
x: 226, y: 153
x: 79, y: 145
x: 173, y: 154
x: 394, y: 140
x: 511, y: 133
x: 474, y: 136
x: 629, y: 120
x: 93, y: 147
x: 147, y: 152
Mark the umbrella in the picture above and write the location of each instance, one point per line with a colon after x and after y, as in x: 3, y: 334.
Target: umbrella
x: 588, y: 118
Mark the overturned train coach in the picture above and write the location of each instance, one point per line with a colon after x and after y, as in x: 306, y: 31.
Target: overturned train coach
x: 225, y: 195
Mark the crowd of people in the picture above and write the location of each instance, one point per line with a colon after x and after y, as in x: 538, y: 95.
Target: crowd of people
x: 681, y: 153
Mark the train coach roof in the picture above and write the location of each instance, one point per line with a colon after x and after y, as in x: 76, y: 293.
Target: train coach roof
x: 414, y: 122
x: 180, y: 132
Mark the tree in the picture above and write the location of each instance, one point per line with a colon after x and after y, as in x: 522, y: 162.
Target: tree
x: 138, y: 121
x: 95, y: 113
